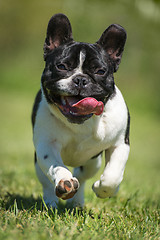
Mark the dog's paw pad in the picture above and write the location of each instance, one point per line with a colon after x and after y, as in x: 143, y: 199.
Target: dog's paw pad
x: 75, y: 184
x: 67, y: 188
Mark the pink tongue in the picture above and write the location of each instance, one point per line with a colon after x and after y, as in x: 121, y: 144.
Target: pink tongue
x: 89, y: 105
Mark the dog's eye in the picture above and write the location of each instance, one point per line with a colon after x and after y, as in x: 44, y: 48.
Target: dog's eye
x: 100, y: 72
x: 61, y: 67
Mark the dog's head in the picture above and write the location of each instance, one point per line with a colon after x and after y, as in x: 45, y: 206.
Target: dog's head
x: 78, y: 77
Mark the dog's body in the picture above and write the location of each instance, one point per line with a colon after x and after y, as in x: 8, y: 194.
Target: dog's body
x: 79, y: 113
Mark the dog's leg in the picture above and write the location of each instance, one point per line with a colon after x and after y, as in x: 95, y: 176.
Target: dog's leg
x: 116, y: 158
x: 82, y: 174
x: 48, y: 189
x: 56, y: 179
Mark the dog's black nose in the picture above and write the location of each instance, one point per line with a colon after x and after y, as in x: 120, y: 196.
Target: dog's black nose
x: 80, y: 81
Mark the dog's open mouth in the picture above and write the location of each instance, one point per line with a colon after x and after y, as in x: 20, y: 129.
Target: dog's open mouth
x: 80, y: 107
x: 77, y: 109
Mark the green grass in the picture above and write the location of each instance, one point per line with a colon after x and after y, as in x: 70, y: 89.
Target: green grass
x: 126, y: 220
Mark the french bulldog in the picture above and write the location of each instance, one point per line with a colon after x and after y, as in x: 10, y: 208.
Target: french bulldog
x: 78, y: 114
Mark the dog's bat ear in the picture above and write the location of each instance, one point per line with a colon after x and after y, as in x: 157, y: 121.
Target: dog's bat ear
x: 59, y: 31
x: 113, y: 40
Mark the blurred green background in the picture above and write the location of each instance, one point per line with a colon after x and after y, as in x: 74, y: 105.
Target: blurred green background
x: 22, y: 32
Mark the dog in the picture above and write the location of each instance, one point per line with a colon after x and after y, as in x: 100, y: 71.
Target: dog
x: 78, y: 114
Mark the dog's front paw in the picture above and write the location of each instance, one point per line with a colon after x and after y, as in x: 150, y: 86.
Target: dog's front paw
x: 67, y: 188
x: 103, y: 190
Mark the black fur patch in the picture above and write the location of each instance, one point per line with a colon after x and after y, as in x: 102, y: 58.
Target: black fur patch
x: 35, y: 157
x: 35, y: 106
x: 81, y: 168
x: 127, y: 131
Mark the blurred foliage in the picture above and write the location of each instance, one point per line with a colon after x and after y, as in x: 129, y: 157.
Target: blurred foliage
x: 23, y: 27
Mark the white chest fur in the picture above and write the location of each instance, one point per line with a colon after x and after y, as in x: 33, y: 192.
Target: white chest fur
x: 77, y: 143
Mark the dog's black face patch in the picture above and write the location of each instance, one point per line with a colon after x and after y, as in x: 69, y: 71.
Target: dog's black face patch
x: 77, y: 70
x: 78, y: 77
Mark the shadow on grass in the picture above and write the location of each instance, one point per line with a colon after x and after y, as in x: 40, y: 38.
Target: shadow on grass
x: 16, y: 203
x: 10, y: 201
x: 21, y: 202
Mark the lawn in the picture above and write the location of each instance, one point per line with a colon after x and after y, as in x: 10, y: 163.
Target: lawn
x: 135, y: 212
